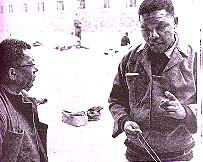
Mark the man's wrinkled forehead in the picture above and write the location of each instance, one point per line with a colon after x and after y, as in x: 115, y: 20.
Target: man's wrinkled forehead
x: 155, y: 15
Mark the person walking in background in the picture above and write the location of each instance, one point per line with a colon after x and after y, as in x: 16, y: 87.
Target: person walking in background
x: 153, y: 98
x: 125, y: 40
x: 77, y: 25
x: 22, y: 135
x: 78, y: 30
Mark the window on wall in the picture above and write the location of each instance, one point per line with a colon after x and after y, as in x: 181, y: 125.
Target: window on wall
x: 82, y: 4
x: 25, y: 7
x: 60, y: 5
x: 130, y: 3
x: 106, y: 4
x: 40, y: 6
x: 10, y: 8
x: 1, y: 9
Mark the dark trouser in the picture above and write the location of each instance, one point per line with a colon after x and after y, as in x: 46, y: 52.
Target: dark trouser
x: 78, y: 32
x: 153, y: 161
x: 181, y: 158
x: 137, y: 154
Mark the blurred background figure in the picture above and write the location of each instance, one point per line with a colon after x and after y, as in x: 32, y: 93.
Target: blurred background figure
x: 125, y: 40
x: 77, y: 25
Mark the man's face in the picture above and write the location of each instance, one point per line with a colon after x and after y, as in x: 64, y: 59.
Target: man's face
x: 26, y: 72
x: 158, y: 29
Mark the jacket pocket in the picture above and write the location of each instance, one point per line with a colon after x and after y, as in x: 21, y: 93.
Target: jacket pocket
x: 11, y: 146
x: 173, y: 140
x: 137, y: 86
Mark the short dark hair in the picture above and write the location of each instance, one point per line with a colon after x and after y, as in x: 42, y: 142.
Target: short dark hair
x: 11, y: 53
x: 148, y: 6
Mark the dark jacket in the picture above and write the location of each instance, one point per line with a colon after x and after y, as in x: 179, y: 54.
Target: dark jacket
x: 125, y: 41
x: 137, y: 97
x: 22, y: 136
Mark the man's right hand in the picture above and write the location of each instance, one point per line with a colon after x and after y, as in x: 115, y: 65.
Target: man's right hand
x: 132, y: 128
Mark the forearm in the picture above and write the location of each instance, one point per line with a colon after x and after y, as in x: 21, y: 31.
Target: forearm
x: 119, y: 109
x: 2, y: 133
x: 190, y: 120
x: 119, y: 99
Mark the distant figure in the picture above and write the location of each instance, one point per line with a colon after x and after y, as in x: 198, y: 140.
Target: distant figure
x: 125, y: 40
x: 77, y: 25
x: 75, y: 40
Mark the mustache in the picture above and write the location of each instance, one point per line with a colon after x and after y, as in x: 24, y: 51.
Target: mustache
x: 155, y: 41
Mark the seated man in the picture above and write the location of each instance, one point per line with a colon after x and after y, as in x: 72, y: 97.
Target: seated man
x: 125, y: 40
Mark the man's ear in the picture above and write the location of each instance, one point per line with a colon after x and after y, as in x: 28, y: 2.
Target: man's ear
x: 12, y: 73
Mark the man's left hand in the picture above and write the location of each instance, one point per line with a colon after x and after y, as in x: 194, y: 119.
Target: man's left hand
x: 173, y: 107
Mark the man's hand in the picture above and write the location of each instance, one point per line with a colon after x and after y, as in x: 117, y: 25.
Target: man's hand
x: 173, y: 107
x: 131, y: 129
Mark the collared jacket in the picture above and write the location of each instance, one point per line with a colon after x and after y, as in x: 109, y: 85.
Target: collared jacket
x: 136, y: 95
x: 15, y: 145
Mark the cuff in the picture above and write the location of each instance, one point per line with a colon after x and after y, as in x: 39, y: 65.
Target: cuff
x: 122, y: 120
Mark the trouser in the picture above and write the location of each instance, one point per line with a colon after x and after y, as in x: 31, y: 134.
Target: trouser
x: 152, y: 161
x: 136, y: 154
x: 184, y: 157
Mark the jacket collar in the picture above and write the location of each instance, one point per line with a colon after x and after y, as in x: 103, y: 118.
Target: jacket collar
x: 180, y: 51
x: 176, y: 58
x: 24, y: 107
x: 144, y: 60
x: 169, y: 52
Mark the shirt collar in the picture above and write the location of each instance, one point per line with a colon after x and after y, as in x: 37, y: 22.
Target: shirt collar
x: 168, y: 53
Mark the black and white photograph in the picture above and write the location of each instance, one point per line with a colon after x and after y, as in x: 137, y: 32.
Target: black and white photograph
x: 101, y: 81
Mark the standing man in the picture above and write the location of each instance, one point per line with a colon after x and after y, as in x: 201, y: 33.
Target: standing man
x: 22, y: 135
x: 78, y: 31
x: 153, y: 97
x: 77, y: 25
x: 125, y: 40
